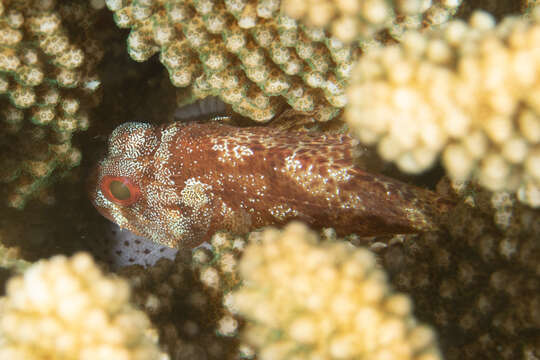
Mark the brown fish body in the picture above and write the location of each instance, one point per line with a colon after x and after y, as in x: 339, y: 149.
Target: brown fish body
x: 185, y: 181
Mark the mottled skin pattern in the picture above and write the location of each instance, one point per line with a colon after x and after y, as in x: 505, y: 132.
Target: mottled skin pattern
x: 193, y: 179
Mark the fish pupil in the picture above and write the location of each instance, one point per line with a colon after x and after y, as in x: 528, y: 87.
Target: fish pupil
x: 119, y: 190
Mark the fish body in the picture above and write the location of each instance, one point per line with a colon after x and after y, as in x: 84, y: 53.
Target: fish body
x: 179, y: 183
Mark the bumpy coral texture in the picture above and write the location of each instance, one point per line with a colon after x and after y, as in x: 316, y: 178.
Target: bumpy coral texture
x: 217, y: 269
x: 246, y: 52
x: 10, y: 259
x: 362, y: 20
x: 478, y: 282
x: 304, y: 299
x: 468, y: 92
x: 182, y: 309
x: 218, y: 266
x: 529, y: 5
x: 178, y: 184
x: 66, y: 309
x: 47, y: 85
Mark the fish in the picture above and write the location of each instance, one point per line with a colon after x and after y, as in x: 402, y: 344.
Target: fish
x: 177, y: 184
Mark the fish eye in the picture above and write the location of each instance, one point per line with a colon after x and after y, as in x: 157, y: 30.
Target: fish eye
x: 120, y: 190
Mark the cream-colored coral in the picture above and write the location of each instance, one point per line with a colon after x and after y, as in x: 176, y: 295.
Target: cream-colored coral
x: 468, y: 93
x: 65, y: 308
x: 245, y: 52
x: 11, y: 260
x: 478, y: 280
x: 218, y: 271
x: 351, y: 20
x: 218, y: 268
x: 528, y: 7
x: 47, y: 85
x: 308, y: 300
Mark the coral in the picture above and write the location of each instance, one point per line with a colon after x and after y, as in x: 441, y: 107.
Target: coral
x: 528, y: 7
x: 468, y: 92
x: 477, y: 282
x: 218, y: 266
x: 65, y: 308
x: 499, y: 9
x: 305, y: 299
x: 217, y: 269
x: 361, y: 20
x: 182, y: 309
x: 10, y: 259
x: 245, y: 52
x: 47, y: 85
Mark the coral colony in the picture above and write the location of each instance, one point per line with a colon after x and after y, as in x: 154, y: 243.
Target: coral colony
x: 286, y: 114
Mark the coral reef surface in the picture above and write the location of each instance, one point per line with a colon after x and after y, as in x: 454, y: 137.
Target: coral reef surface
x: 468, y: 92
x: 66, y: 308
x: 438, y: 90
x: 48, y: 83
x: 308, y: 300
x: 245, y: 52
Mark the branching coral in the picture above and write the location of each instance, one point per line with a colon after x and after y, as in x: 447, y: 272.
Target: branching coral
x: 184, y: 312
x: 245, y: 52
x: 478, y: 281
x: 47, y: 85
x: 353, y: 20
x: 10, y: 259
x: 217, y: 269
x: 469, y: 91
x: 67, y: 309
x: 529, y: 5
x: 308, y: 300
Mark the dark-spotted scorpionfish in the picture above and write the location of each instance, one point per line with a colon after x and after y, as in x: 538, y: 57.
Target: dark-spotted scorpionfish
x: 179, y: 183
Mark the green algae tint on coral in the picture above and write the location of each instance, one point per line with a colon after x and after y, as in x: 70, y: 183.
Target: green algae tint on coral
x: 475, y: 280
x: 225, y: 48
x: 43, y: 74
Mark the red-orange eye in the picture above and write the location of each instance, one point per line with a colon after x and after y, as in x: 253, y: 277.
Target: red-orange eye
x: 120, y: 190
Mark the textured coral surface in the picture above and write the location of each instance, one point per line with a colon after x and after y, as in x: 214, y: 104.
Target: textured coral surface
x: 67, y: 309
x: 48, y: 82
x: 326, y: 301
x: 469, y: 92
x: 474, y: 283
x: 477, y: 281
x: 245, y: 52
